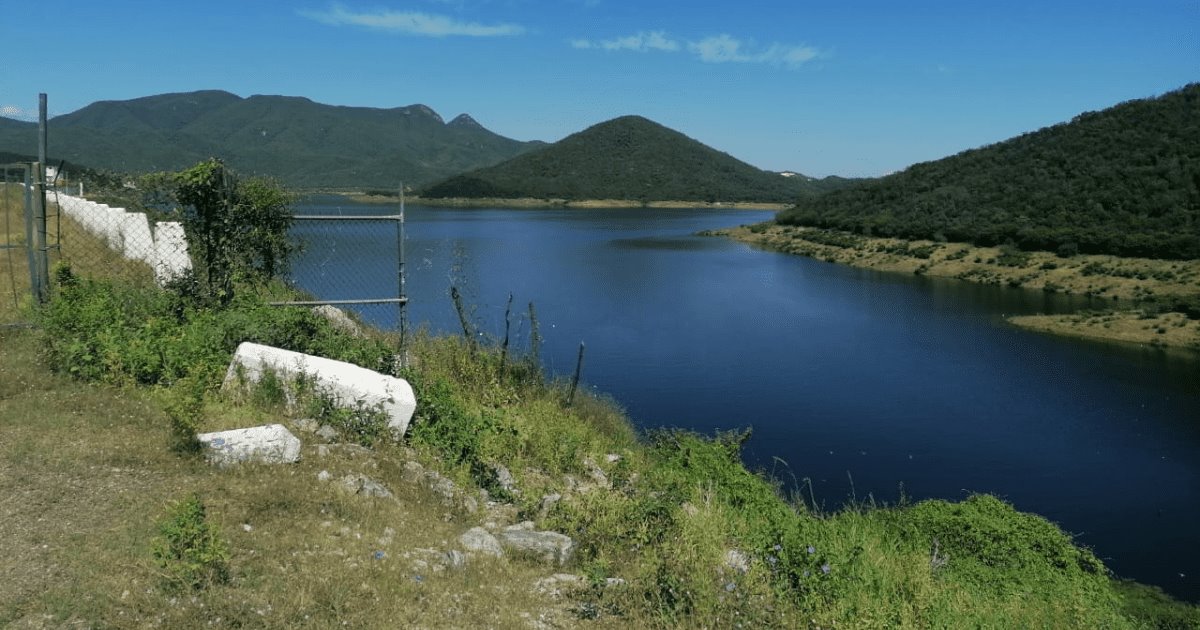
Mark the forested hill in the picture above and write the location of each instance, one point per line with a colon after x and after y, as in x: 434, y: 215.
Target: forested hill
x: 629, y: 158
x: 1122, y: 181
x: 302, y: 143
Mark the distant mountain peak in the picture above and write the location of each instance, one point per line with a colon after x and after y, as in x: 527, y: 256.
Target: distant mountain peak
x: 465, y: 120
x: 630, y: 158
x: 423, y: 110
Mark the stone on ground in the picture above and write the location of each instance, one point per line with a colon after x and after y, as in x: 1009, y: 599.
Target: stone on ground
x: 268, y: 444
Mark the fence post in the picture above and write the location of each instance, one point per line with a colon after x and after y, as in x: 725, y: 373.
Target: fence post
x: 575, y: 381
x: 41, y: 252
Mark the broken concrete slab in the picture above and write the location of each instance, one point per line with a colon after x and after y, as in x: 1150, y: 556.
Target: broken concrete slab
x: 347, y: 384
x: 268, y: 444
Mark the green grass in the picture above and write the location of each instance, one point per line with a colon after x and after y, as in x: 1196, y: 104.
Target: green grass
x: 672, y: 532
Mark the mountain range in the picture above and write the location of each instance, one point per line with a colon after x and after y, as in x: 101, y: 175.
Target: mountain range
x: 302, y: 143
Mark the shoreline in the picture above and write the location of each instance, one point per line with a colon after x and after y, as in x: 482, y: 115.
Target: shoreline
x: 583, y: 204
x: 1122, y: 280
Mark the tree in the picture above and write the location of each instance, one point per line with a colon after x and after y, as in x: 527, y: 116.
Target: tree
x: 236, y: 230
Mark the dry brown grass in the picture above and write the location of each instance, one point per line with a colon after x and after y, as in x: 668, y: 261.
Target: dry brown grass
x: 85, y: 473
x: 14, y: 264
x: 87, y: 254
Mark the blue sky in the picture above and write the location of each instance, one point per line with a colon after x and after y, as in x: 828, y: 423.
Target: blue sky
x: 853, y: 88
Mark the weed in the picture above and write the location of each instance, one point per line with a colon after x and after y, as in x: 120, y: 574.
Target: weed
x: 183, y: 413
x: 189, y: 549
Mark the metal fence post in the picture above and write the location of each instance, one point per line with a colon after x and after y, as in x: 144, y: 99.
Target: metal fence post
x: 41, y: 254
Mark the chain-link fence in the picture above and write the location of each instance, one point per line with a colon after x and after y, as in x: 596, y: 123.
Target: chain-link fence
x: 99, y: 240
x: 352, y: 262
x: 347, y: 262
x: 15, y: 252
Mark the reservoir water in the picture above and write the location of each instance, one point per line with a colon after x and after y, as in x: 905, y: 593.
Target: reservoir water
x: 866, y: 383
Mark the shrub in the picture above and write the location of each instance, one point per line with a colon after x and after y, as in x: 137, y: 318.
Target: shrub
x: 183, y: 412
x: 189, y: 549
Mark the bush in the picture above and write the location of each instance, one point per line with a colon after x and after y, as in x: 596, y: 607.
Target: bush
x: 189, y: 549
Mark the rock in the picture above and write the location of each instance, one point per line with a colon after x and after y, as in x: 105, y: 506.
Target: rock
x: 502, y: 514
x: 324, y: 476
x: 550, y: 547
x: 612, y: 458
x: 307, y: 425
x: 340, y: 320
x: 456, y: 559
x: 322, y: 450
x: 525, y: 526
x: 413, y: 472
x: 737, y: 561
x: 364, y: 485
x: 505, y: 479
x: 556, y: 585
x: 445, y: 489
x: 596, y: 473
x: 268, y: 444
x: 349, y: 385
x: 548, y: 503
x: 480, y: 540
x: 327, y: 433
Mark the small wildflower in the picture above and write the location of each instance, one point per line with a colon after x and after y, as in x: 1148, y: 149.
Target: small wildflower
x: 772, y: 560
x: 825, y: 568
x: 812, y: 549
x: 418, y: 578
x: 806, y: 573
x: 778, y: 548
x: 378, y: 555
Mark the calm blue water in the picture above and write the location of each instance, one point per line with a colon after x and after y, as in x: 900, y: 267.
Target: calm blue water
x: 863, y: 382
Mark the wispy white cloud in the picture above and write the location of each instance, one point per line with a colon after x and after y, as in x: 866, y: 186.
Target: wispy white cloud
x: 715, y: 49
x: 411, y: 23
x: 640, y: 42
x: 726, y: 49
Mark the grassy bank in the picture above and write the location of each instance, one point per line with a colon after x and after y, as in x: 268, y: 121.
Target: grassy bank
x: 530, y: 202
x: 1127, y: 282
x: 672, y: 530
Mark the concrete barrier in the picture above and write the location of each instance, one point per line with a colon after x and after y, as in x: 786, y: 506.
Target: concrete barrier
x: 129, y: 233
x: 136, y: 241
x: 348, y: 384
x: 170, y: 258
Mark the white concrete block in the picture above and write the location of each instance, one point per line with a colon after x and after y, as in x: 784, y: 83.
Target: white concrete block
x: 170, y: 260
x: 268, y: 444
x: 348, y: 384
x: 136, y: 238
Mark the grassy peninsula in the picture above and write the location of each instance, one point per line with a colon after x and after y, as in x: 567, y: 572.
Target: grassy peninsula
x: 1157, y: 301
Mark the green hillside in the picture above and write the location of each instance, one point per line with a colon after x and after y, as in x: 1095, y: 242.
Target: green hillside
x: 1122, y: 181
x: 628, y: 158
x: 302, y: 143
